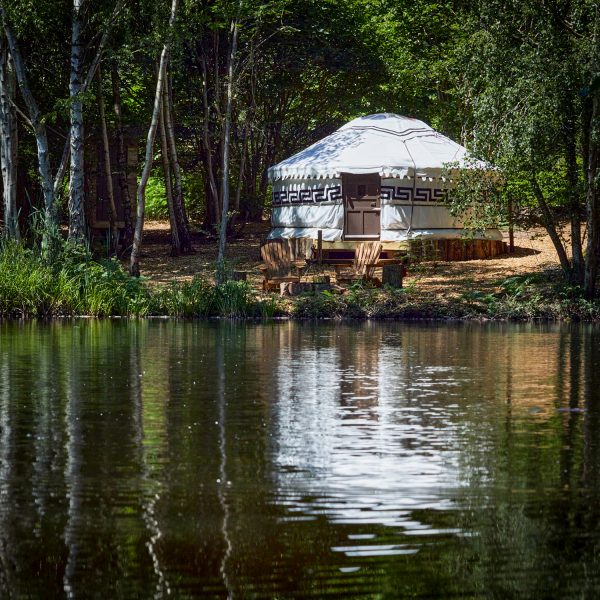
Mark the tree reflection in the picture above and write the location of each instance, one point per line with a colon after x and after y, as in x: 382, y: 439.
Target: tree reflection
x: 216, y: 460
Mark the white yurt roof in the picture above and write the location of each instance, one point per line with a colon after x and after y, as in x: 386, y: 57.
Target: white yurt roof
x: 384, y: 143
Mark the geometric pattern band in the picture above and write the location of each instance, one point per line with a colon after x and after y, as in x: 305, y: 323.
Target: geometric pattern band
x: 307, y: 196
x: 393, y: 192
x: 333, y: 193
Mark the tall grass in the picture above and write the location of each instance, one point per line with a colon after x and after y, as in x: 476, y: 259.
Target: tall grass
x: 73, y: 283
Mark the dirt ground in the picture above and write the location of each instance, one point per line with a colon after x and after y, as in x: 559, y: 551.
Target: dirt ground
x: 533, y: 252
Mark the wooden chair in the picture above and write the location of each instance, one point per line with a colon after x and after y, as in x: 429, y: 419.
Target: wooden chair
x: 277, y: 267
x: 363, y: 267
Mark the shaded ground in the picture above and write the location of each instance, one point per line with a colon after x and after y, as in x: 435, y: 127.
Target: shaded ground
x: 534, y: 252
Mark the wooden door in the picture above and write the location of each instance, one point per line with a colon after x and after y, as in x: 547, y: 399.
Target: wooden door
x: 362, y: 204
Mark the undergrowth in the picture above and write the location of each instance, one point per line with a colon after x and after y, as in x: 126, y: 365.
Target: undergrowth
x: 74, y: 283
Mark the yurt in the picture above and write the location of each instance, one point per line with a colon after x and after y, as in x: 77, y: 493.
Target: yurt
x: 379, y: 177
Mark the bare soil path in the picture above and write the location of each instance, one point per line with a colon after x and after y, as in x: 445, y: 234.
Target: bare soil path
x: 533, y: 253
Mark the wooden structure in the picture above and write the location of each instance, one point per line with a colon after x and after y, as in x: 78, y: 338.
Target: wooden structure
x: 365, y: 262
x: 455, y: 250
x: 97, y: 206
x: 277, y: 268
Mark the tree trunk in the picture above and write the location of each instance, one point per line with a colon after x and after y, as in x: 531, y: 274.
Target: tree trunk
x: 550, y: 227
x: 593, y: 202
x: 574, y: 195
x: 127, y: 235
x: 181, y: 220
x: 175, y: 242
x: 60, y: 173
x: 35, y: 117
x: 112, y: 209
x: 212, y: 204
x: 243, y: 152
x: 76, y: 180
x: 8, y: 145
x: 134, y: 266
x: 226, y: 136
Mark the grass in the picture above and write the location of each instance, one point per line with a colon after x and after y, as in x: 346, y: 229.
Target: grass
x: 73, y: 283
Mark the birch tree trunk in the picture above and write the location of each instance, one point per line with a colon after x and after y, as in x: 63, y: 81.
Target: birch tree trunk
x: 164, y: 150
x: 76, y: 179
x: 213, y: 200
x: 183, y: 231
x: 122, y: 163
x: 60, y: 173
x: 226, y: 136
x: 8, y: 145
x: 35, y: 116
x: 134, y: 265
x: 112, y: 208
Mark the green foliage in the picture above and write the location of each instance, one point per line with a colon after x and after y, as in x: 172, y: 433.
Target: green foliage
x: 526, y: 79
x: 156, y: 198
x: 26, y: 283
x: 30, y: 286
x: 319, y: 306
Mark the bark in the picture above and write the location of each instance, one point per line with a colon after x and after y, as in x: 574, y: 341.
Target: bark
x: 112, y: 208
x: 212, y: 205
x: 60, y: 173
x: 592, y: 202
x: 76, y: 180
x: 134, y: 265
x: 127, y: 235
x: 226, y: 136
x: 511, y: 228
x: 573, y: 185
x: 243, y: 152
x: 549, y: 225
x: 35, y: 116
x: 181, y: 219
x: 175, y: 243
x: 8, y: 145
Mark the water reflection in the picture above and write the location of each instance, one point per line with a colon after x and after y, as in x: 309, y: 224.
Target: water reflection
x: 159, y: 459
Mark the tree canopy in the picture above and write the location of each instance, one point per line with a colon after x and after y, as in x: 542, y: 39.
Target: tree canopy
x: 254, y: 81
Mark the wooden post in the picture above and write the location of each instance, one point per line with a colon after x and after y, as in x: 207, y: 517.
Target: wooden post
x: 392, y: 275
x: 320, y: 248
x: 511, y: 229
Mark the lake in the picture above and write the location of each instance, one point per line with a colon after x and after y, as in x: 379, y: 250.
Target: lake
x: 159, y: 459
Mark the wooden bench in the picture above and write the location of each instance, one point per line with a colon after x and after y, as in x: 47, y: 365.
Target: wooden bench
x: 277, y: 268
x: 364, y: 263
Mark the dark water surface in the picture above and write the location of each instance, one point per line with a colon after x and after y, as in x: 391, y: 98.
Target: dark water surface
x: 161, y: 459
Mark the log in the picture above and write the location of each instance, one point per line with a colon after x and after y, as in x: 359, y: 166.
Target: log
x: 239, y: 276
x: 392, y: 275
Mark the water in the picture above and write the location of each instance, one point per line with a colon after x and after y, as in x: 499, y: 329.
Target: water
x: 160, y: 459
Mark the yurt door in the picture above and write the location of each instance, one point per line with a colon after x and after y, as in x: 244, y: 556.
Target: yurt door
x: 363, y: 206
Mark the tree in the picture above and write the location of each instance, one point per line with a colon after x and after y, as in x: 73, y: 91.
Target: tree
x: 134, y: 264
x: 35, y: 118
x: 76, y: 199
x: 8, y: 143
x: 531, y: 88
